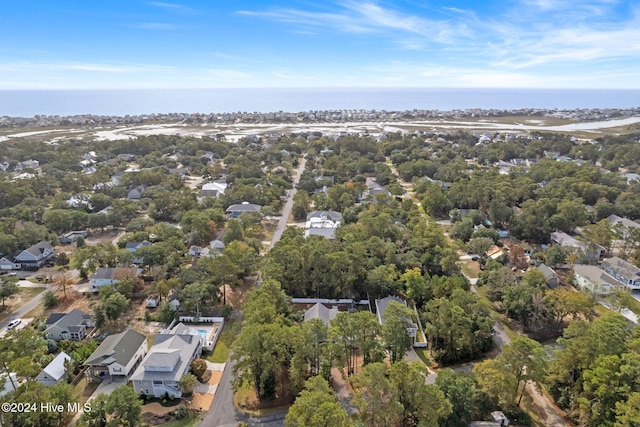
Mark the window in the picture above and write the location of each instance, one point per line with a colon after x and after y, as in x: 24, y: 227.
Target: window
x: 157, y: 382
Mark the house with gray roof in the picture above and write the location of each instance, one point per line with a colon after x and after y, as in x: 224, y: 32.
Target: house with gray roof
x: 320, y: 311
x: 234, y: 211
x: 593, y: 279
x: 133, y: 247
x: 109, y: 276
x: 31, y: 258
x: 624, y: 272
x: 322, y: 223
x: 136, y: 192
x: 381, y: 308
x: 73, y: 326
x: 117, y: 356
x: 592, y: 252
x: 550, y: 276
x: 624, y: 224
x: 168, y: 360
x: 54, y: 372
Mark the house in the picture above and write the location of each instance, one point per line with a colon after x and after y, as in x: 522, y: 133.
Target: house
x: 8, y: 383
x: 624, y: 224
x: 381, y: 307
x: 134, y: 247
x: 234, y: 211
x: 4, y: 166
x: 549, y: 275
x: 7, y: 262
x: 373, y: 189
x: 320, y: 311
x: 73, y: 326
x: 72, y: 236
x: 27, y: 164
x: 31, y: 258
x: 117, y: 356
x: 591, y: 251
x: 213, y: 189
x: 593, y: 279
x: 322, y: 223
x: 126, y: 157
x: 109, y: 276
x: 168, y: 360
x: 54, y: 372
x: 624, y: 272
x: 136, y: 192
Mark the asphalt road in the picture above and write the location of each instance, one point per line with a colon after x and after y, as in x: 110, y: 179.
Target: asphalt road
x: 223, y: 412
x: 30, y: 305
x: 288, y: 206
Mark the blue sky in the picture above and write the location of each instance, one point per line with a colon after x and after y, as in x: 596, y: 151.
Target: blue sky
x: 125, y: 44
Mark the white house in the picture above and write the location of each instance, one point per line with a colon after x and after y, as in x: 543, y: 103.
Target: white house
x: 213, y: 189
x: 117, y: 356
x: 169, y: 359
x: 54, y: 372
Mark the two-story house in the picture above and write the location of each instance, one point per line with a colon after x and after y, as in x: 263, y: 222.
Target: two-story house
x: 169, y: 359
x: 73, y: 326
x: 624, y: 272
x: 31, y: 258
x: 117, y: 356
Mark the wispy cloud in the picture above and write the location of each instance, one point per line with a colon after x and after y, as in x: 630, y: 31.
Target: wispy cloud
x: 89, y: 67
x: 172, y: 7
x: 368, y: 18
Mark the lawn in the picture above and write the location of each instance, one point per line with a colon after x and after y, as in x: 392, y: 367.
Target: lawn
x: 423, y: 354
x: 230, y: 331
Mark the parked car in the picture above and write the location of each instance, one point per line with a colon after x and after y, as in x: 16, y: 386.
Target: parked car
x: 13, y: 324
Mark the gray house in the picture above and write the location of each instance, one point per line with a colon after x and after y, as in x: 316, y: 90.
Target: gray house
x: 54, y: 372
x: 136, y: 192
x: 234, y: 211
x: 625, y: 272
x: 320, y: 311
x: 549, y: 275
x: 168, y: 361
x: 31, y: 258
x: 117, y: 356
x: 74, y: 325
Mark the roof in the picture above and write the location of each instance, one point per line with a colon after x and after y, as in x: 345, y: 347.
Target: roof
x: 109, y: 272
x: 563, y: 239
x: 74, y: 318
x: 117, y: 348
x: 595, y: 275
x: 332, y: 215
x: 382, y: 304
x: 626, y: 222
x: 546, y: 271
x: 55, y: 369
x: 319, y: 311
x: 244, y: 207
x: 137, y: 245
x: 328, y: 233
x: 168, y: 351
x: 39, y: 248
x: 621, y: 266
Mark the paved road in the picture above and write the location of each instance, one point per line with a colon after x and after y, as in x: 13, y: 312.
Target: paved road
x: 27, y: 307
x: 223, y: 412
x: 288, y: 207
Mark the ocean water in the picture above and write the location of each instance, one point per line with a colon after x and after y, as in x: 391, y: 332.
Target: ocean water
x: 21, y: 103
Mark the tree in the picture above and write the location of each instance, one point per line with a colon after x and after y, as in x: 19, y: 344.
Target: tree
x: 114, y: 306
x: 479, y: 245
x: 375, y: 397
x: 124, y: 407
x: 199, y: 367
x: 462, y: 392
x: 395, y: 322
x: 63, y: 281
x: 49, y: 299
x: 422, y: 404
x: 187, y: 383
x: 521, y: 361
x: 8, y: 287
x: 316, y: 406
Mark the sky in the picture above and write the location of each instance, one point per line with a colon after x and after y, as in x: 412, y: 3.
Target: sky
x: 127, y: 44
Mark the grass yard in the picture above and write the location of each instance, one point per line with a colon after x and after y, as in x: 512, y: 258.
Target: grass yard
x: 423, y: 354
x: 230, y: 331
x: 18, y: 300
